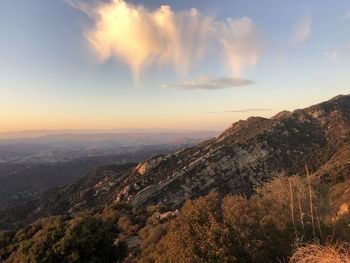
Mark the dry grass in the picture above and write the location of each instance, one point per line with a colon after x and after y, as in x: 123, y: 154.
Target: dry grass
x: 316, y: 253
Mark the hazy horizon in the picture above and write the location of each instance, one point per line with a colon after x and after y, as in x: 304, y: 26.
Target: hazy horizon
x: 26, y: 134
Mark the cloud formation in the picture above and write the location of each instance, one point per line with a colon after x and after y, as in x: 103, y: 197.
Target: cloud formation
x: 302, y: 29
x: 208, y: 83
x: 240, y: 39
x: 141, y: 37
x: 238, y: 111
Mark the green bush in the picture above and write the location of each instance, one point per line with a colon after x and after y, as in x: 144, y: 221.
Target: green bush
x: 87, y: 240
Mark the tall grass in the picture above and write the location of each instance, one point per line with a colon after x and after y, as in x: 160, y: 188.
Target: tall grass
x: 318, y: 248
x: 308, y: 217
x: 317, y: 253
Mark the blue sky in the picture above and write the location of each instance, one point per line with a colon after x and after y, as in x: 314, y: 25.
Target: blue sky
x: 51, y: 77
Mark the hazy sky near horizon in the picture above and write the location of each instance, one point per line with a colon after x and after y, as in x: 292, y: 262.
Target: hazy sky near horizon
x: 167, y: 64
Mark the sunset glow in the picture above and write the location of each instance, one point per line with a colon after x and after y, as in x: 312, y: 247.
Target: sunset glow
x: 130, y: 64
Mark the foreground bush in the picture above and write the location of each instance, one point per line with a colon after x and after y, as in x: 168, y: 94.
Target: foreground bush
x: 262, y: 228
x: 85, y: 240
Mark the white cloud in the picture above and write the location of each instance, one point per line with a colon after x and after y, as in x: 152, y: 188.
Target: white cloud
x: 141, y: 37
x: 331, y: 55
x: 208, y: 83
x: 302, y: 28
x: 240, y: 39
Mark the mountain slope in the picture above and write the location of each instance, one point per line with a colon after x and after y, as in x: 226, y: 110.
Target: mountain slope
x: 244, y: 156
x: 21, y: 182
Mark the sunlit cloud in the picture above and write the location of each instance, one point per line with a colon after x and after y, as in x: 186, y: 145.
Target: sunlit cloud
x: 141, y: 37
x: 240, y: 39
x: 302, y: 29
x: 209, y: 83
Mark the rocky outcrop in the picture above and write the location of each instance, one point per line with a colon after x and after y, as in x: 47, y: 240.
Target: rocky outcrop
x: 149, y: 165
x: 245, y: 155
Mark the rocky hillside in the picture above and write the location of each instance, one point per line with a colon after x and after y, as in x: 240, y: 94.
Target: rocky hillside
x: 21, y: 182
x: 245, y: 155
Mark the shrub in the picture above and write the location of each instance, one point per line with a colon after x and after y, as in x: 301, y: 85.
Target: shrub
x: 196, y: 235
x: 88, y: 239
x: 239, y: 229
x: 150, y: 235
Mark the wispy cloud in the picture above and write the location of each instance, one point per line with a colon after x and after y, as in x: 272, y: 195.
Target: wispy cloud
x: 209, y: 83
x: 247, y: 110
x: 240, y: 40
x: 346, y: 16
x: 331, y: 55
x: 238, y: 111
x: 141, y: 37
x: 302, y: 29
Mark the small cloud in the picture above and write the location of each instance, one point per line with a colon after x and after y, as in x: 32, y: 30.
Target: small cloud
x: 209, y: 83
x: 247, y: 110
x: 346, y: 16
x: 237, y: 111
x: 331, y: 55
x: 302, y: 29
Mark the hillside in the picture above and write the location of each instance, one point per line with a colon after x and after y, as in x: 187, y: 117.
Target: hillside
x: 251, y: 199
x: 244, y: 156
x: 21, y: 182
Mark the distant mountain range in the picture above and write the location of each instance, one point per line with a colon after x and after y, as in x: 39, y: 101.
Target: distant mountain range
x: 69, y: 146
x: 21, y: 182
x: 243, y: 157
x: 30, y: 166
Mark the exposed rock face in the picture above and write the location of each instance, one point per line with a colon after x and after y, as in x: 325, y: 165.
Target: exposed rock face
x: 245, y: 155
x: 242, y: 157
x: 149, y: 165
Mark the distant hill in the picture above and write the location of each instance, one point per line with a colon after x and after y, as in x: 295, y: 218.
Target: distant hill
x: 21, y: 182
x: 62, y: 147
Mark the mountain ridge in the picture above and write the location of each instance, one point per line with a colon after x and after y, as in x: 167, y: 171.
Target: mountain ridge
x: 244, y: 156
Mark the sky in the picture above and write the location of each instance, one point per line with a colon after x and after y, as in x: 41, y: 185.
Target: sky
x: 196, y: 65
